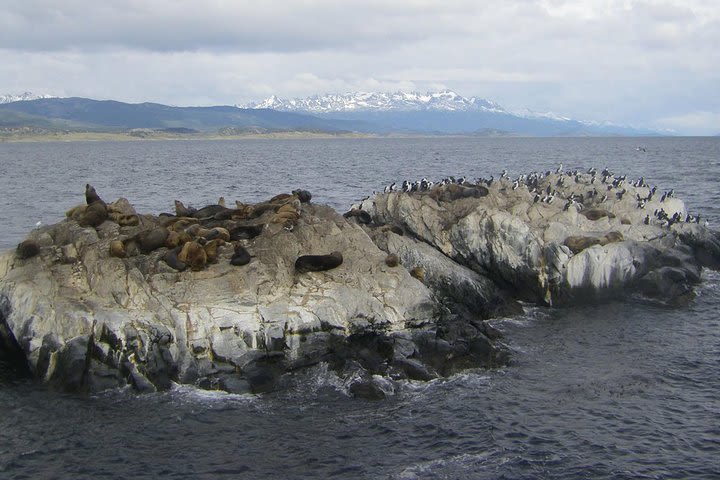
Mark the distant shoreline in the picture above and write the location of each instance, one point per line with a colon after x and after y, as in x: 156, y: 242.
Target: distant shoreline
x: 126, y: 136
x: 64, y: 136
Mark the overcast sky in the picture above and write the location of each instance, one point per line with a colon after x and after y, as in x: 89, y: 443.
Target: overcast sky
x: 652, y: 63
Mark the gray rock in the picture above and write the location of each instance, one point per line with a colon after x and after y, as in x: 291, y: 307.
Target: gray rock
x: 545, y: 253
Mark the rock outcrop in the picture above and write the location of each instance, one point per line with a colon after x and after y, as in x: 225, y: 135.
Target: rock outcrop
x: 87, y: 316
x: 555, y: 238
x: 233, y: 298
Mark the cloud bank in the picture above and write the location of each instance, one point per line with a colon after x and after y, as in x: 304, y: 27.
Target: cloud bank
x: 645, y: 63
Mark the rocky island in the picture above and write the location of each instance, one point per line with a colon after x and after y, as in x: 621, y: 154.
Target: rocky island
x: 399, y: 287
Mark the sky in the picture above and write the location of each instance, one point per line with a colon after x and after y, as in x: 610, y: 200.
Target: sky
x: 651, y: 64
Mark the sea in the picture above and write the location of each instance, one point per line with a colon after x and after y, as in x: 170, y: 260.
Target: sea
x: 624, y: 389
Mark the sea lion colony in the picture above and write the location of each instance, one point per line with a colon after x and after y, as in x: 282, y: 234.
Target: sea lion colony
x: 193, y: 237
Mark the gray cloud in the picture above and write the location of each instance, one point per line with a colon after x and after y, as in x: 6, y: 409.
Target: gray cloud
x: 631, y: 61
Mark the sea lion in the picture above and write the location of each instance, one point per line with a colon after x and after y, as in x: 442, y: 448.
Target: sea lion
x: 280, y: 198
x: 242, y: 211
x: 243, y: 232
x: 96, y: 211
x: 76, y: 212
x: 392, y: 228
x: 293, y: 207
x: 211, y: 211
x: 183, y: 211
x: 318, y: 263
x: 221, y: 201
x: 596, y: 213
x: 241, y: 256
x: 361, y: 216
x: 392, y: 260
x: 197, y: 230
x: 283, y: 217
x: 218, y: 232
x: 124, y: 220
x: 303, y: 195
x: 171, y: 258
x: 193, y: 255
x: 176, y: 239
x: 578, y: 243
x: 117, y: 249
x: 211, y: 249
x: 149, y: 240
x: 27, y: 249
x: 260, y: 208
x: 453, y: 191
x: 612, y: 237
x: 94, y: 215
x: 181, y: 223
x: 419, y: 273
x: 91, y: 195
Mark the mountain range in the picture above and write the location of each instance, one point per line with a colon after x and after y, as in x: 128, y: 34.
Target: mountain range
x: 444, y: 112
x: 435, y: 113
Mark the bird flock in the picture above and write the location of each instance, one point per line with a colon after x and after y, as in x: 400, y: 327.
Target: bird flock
x: 577, y: 189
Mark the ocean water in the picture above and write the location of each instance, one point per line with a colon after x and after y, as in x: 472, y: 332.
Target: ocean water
x: 629, y: 389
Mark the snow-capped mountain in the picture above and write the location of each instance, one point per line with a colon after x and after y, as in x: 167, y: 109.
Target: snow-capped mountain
x: 446, y: 100
x: 444, y: 112
x: 23, y: 97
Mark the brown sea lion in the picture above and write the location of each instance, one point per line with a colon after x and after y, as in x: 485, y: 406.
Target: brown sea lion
x: 292, y: 207
x: 283, y: 217
x: 76, y: 212
x: 27, y: 249
x: 117, y: 249
x: 280, y: 198
x: 181, y: 223
x: 193, y: 255
x: 218, y: 232
x: 96, y: 211
x: 318, y: 263
x: 211, y: 249
x: 183, y: 211
x: 596, y: 213
x: 393, y: 228
x: 94, y: 215
x: 419, y: 273
x: 149, y: 240
x: 242, y: 211
x: 260, y: 208
x: 578, y: 243
x: 197, y: 230
x: 612, y: 237
x: 176, y: 239
x: 124, y: 220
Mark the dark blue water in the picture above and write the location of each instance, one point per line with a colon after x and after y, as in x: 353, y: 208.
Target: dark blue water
x: 621, y: 390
